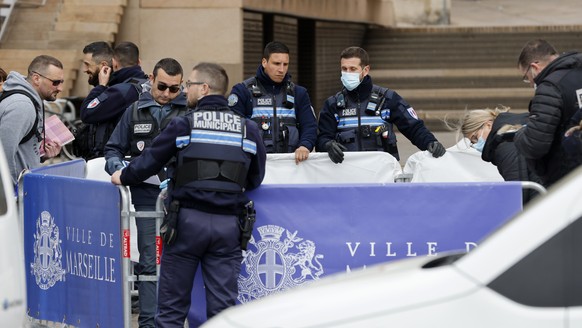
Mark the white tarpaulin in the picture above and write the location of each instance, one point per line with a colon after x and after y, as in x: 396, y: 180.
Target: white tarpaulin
x: 357, y: 167
x: 461, y: 163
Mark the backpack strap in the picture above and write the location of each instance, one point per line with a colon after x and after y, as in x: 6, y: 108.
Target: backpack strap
x: 136, y: 82
x: 32, y: 131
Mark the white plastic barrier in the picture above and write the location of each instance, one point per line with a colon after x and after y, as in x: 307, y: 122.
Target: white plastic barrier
x: 357, y: 167
x: 461, y: 163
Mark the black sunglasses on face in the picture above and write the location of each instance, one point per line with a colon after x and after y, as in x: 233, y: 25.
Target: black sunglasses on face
x: 173, y: 88
x: 55, y: 83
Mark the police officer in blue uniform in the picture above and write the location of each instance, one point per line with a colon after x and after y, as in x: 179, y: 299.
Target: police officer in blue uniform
x: 360, y: 116
x: 281, y: 108
x: 219, y: 155
x: 119, y: 86
x: 139, y: 125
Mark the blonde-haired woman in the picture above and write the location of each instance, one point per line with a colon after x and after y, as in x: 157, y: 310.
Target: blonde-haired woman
x: 482, y: 128
x: 475, y: 125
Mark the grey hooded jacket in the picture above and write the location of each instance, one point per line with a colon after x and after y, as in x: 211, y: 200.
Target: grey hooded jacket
x: 17, y: 116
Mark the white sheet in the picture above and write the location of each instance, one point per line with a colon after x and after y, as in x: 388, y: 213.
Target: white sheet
x: 461, y: 163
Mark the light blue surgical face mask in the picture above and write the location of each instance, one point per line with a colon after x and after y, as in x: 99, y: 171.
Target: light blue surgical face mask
x: 479, y: 144
x: 350, y: 80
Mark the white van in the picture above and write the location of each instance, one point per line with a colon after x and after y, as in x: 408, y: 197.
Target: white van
x: 526, y: 274
x: 12, y: 277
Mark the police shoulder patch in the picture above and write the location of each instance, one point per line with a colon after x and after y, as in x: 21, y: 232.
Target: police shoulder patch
x: 232, y: 100
x: 412, y: 112
x: 93, y: 103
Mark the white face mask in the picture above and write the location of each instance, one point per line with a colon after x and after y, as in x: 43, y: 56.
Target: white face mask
x: 350, y: 80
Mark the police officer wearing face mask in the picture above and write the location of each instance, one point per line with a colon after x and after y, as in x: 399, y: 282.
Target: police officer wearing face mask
x: 360, y: 116
x: 219, y: 155
x: 281, y: 108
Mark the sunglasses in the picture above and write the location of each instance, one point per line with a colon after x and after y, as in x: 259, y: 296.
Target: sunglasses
x: 55, y: 83
x: 173, y: 88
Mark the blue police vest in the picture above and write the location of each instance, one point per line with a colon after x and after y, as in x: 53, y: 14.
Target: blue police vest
x: 275, y: 116
x: 145, y: 128
x: 366, y: 126
x: 216, y: 156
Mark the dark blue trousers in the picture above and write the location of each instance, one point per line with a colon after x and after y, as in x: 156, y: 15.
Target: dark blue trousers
x: 211, y: 240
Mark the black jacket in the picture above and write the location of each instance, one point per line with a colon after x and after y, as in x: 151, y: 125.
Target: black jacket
x: 103, y: 107
x: 550, y: 112
x: 503, y: 154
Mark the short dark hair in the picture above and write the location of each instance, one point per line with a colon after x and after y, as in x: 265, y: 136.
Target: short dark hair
x: 275, y: 47
x: 126, y: 54
x: 3, y: 75
x: 356, y: 52
x: 100, y: 51
x: 41, y: 63
x: 214, y: 75
x: 535, y: 50
x: 170, y: 66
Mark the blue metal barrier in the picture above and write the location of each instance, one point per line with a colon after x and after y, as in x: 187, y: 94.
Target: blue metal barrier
x: 74, y: 237
x: 72, y: 250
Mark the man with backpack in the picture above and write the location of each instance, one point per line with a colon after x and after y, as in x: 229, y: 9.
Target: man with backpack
x: 21, y: 114
x: 119, y: 87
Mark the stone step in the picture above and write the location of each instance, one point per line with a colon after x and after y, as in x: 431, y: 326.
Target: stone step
x: 95, y: 14
x: 466, y: 42
x: 39, y: 34
x: 92, y: 2
x: 493, y: 32
x: 467, y: 98
x: 443, y: 73
x: 74, y: 36
x: 86, y: 27
x: 466, y: 93
x: 448, y: 78
x: 33, y: 16
x: 25, y: 44
x: 29, y: 54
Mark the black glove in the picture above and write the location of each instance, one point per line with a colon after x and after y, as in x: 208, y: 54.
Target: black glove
x: 436, y: 149
x: 168, y: 230
x: 335, y: 150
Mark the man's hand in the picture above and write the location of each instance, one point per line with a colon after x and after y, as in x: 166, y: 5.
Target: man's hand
x: 335, y: 150
x: 104, y: 75
x: 509, y: 128
x: 436, y: 149
x: 507, y: 132
x: 301, y: 154
x: 571, y: 130
x: 116, y: 177
x: 51, y: 149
